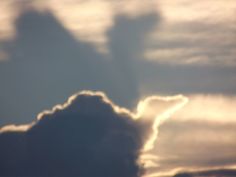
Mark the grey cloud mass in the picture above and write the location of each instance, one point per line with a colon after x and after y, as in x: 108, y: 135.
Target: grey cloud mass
x: 84, y: 137
x: 45, y: 57
x: 87, y: 136
x: 160, y: 51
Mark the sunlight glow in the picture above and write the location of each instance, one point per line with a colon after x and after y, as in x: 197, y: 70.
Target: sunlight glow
x: 158, y: 109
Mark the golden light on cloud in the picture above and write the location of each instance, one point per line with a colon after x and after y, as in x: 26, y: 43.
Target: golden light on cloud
x: 156, y: 109
x: 207, y: 125
x: 15, y: 128
x: 153, y: 110
x: 87, y: 20
x: 90, y: 20
x: 210, y: 108
x: 210, y: 10
x: 6, y: 18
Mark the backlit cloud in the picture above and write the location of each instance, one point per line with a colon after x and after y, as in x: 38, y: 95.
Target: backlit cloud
x: 156, y: 110
x: 125, y: 48
x: 216, y: 108
x: 87, y: 136
x: 199, y: 137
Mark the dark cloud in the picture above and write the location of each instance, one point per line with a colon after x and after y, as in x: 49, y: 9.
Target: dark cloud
x: 209, y: 173
x: 85, y: 137
x: 88, y: 136
x: 126, y: 44
x: 44, y: 56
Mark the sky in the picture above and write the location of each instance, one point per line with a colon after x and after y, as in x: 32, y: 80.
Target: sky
x: 168, y: 65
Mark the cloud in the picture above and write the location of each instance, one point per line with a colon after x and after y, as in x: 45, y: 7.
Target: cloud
x: 215, y: 173
x: 157, y: 109
x: 44, y: 55
x: 196, y: 42
x: 126, y: 44
x: 32, y: 49
x: 88, y: 20
x: 41, y: 41
x: 220, y: 109
x: 191, y: 146
x: 211, y: 10
x: 199, y: 38
x: 199, y: 137
x: 87, y: 136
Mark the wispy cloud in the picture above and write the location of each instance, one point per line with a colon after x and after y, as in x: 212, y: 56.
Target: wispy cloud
x: 204, y: 37
x: 200, y: 136
x: 194, y: 42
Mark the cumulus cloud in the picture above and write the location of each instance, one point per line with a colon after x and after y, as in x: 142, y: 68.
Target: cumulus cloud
x: 42, y: 41
x: 87, y: 136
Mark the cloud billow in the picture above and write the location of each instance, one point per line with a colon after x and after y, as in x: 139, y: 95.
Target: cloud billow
x: 85, y: 137
x: 45, y: 55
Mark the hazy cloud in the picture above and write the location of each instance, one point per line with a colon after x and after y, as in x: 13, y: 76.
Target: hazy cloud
x: 194, y: 43
x: 220, y: 109
x: 43, y: 49
x: 87, y: 20
x: 44, y: 55
x: 215, y: 173
x: 87, y: 136
x: 84, y: 137
x: 205, y: 38
x: 199, y: 137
